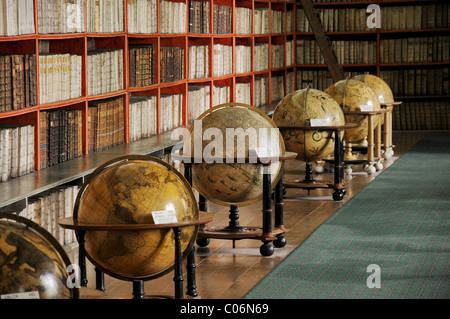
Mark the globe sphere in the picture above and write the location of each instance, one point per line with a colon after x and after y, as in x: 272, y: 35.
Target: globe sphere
x: 378, y: 86
x: 234, y: 176
x: 296, y: 110
x: 32, y: 261
x: 127, y: 190
x: 351, y: 95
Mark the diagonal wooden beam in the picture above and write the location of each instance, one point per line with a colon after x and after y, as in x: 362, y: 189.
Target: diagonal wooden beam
x: 324, y: 42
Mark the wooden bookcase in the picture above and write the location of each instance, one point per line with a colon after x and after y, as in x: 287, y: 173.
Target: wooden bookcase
x: 283, y: 74
x: 411, y: 76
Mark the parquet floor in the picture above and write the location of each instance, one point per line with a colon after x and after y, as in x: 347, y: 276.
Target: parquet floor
x: 224, y: 272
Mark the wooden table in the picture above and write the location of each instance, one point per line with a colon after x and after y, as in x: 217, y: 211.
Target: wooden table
x: 138, y: 286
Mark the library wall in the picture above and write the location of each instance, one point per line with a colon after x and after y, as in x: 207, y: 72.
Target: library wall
x: 83, y: 76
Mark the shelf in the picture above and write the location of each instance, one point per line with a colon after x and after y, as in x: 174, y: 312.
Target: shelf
x: 35, y: 183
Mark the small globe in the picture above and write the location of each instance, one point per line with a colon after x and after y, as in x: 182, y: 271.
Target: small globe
x: 32, y: 261
x: 378, y: 86
x: 296, y: 110
x: 351, y: 95
x: 251, y: 132
x: 127, y: 190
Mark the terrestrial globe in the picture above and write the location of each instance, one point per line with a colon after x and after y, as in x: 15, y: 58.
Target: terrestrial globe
x: 233, y: 176
x: 126, y: 190
x: 378, y: 86
x: 351, y: 95
x: 32, y: 262
x: 296, y: 110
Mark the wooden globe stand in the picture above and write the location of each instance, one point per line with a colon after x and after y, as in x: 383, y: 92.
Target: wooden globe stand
x: 338, y: 184
x: 138, y: 285
x: 373, y: 159
x: 388, y: 146
x: 234, y: 231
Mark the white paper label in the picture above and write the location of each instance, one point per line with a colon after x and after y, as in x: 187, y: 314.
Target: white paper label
x: 164, y: 217
x: 318, y: 122
x: 22, y: 295
x: 366, y: 108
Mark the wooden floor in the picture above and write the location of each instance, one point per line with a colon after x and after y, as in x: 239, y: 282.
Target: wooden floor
x: 224, y: 272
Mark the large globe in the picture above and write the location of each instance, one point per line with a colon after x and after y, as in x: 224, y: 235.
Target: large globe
x: 32, y: 262
x: 126, y: 191
x: 351, y: 95
x: 378, y: 86
x: 296, y: 110
x: 238, y: 180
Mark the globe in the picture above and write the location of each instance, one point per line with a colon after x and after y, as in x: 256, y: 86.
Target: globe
x: 32, y: 262
x: 351, y: 95
x: 127, y: 190
x: 378, y: 86
x: 296, y: 110
x: 234, y: 176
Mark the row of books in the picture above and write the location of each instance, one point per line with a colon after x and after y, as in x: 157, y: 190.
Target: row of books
x: 198, y: 101
x: 59, y: 77
x: 221, y: 95
x: 428, y: 16
x: 199, y: 21
x: 58, y: 16
x: 261, y: 91
x: 277, y: 51
x: 415, y: 49
x: 105, y: 124
x: 171, y: 111
x: 277, y: 90
x: 142, y: 16
x: 47, y: 208
x: 105, y: 71
x: 244, y: 16
x: 243, y: 94
x: 222, y: 60
x: 142, y: 117
x: 60, y: 136
x: 317, y: 79
x: 243, y: 58
x: 336, y: 20
x: 16, y: 150
x: 289, y: 52
x: 418, y: 82
x: 173, y: 17
x: 198, y: 61
x: 172, y: 64
x: 421, y: 115
x: 16, y: 17
x: 347, y: 52
x: 261, y: 57
x: 277, y: 21
x: 142, y: 65
x: 261, y: 21
x: 104, y: 16
x: 222, y: 19
x: 17, y: 81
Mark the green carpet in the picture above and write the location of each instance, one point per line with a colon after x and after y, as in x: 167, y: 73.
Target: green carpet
x: 399, y: 222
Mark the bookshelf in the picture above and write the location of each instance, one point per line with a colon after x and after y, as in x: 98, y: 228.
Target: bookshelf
x: 129, y: 55
x: 409, y: 51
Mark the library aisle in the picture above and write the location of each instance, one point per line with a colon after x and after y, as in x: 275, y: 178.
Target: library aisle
x: 224, y: 272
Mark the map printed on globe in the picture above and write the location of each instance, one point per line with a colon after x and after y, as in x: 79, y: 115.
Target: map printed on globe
x: 298, y: 109
x: 234, y: 183
x: 351, y: 95
x: 128, y: 192
x: 30, y: 265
